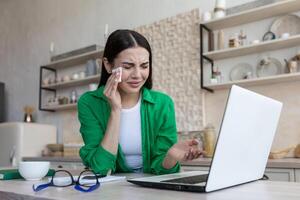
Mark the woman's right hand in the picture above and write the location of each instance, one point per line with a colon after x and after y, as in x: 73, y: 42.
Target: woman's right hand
x: 112, y: 93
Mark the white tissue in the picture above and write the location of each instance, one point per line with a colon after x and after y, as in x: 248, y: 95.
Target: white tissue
x: 116, y: 70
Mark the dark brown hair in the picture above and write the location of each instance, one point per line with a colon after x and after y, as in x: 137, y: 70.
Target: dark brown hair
x: 120, y: 40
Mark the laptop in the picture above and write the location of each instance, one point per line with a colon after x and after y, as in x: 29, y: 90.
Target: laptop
x: 241, y: 153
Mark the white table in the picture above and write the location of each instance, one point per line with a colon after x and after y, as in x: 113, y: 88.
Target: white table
x: 259, y: 190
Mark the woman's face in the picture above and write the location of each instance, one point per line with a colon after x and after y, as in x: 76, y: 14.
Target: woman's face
x: 135, y: 69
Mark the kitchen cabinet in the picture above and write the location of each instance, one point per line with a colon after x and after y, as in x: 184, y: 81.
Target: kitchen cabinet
x: 55, y: 69
x: 297, y: 175
x: 252, y: 15
x: 277, y: 174
x: 274, y: 174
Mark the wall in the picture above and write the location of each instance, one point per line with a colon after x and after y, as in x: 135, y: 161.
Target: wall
x: 27, y: 28
x: 175, y: 44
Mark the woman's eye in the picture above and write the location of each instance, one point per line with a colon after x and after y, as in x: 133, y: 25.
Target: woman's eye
x: 127, y: 67
x: 145, y: 66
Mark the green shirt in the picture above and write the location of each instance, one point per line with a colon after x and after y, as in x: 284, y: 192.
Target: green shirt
x: 158, y: 128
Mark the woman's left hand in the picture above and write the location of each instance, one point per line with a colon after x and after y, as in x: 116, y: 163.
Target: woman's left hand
x: 185, y: 150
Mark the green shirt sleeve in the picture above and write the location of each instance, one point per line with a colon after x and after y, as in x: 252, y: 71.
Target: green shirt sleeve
x: 92, y: 153
x: 166, y: 138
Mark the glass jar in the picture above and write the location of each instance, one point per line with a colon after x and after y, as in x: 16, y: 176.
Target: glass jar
x: 209, y: 140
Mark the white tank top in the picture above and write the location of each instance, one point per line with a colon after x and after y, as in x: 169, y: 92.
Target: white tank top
x: 131, y: 136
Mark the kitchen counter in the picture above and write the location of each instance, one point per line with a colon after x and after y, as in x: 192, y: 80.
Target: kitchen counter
x: 272, y: 163
x: 258, y: 190
x: 54, y: 159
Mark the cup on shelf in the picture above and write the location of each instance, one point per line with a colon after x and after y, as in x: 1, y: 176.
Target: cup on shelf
x: 213, y: 80
x: 82, y: 74
x: 255, y: 41
x: 66, y: 78
x: 285, y: 35
x: 206, y: 16
x: 220, y: 4
x: 75, y: 76
x: 219, y: 14
x: 45, y: 81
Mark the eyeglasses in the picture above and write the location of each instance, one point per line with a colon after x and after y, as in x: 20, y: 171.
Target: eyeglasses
x: 87, y: 181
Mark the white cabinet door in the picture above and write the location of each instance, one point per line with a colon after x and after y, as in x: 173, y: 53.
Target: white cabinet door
x: 280, y: 174
x: 297, y: 175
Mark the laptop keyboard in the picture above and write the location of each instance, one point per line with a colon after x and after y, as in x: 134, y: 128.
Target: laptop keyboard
x: 189, y: 180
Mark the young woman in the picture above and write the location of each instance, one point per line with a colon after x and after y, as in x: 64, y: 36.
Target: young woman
x: 126, y: 126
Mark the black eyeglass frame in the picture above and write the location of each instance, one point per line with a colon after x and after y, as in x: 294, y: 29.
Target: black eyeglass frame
x: 76, y: 183
x: 71, y: 176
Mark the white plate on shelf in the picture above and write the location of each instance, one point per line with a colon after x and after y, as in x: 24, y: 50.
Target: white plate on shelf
x: 271, y: 68
x: 240, y: 71
x: 286, y: 24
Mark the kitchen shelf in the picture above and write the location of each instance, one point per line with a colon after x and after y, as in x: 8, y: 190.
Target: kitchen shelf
x: 62, y: 107
x: 89, y: 79
x: 57, y: 68
x: 254, y: 48
x: 258, y: 81
x: 252, y: 15
x: 256, y: 14
x: 75, y: 60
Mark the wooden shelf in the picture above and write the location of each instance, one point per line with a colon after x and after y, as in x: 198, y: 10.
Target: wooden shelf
x: 89, y: 79
x: 62, y: 107
x: 258, y: 81
x: 75, y: 60
x: 254, y: 48
x: 256, y: 14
